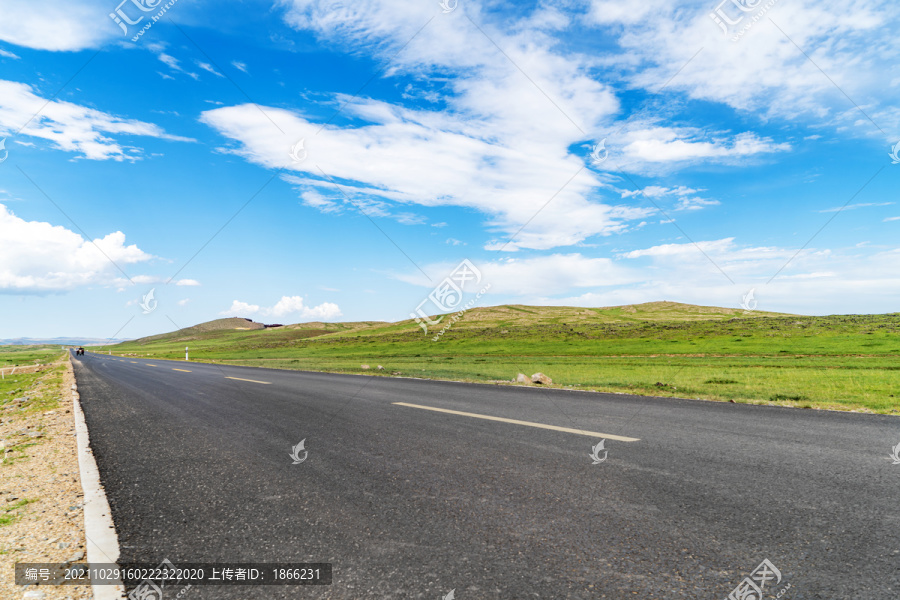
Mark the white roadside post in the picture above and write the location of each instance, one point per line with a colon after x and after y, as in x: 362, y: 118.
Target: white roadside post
x: 185, y: 353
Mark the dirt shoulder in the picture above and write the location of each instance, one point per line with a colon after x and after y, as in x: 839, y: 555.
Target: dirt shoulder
x: 40, y: 487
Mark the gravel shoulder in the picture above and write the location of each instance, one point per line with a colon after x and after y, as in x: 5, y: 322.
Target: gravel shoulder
x: 40, y: 487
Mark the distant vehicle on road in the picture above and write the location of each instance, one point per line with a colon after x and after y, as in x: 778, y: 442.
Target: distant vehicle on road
x: 79, y: 351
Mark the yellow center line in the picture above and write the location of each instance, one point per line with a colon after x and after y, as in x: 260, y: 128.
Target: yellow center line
x: 182, y: 370
x: 134, y: 362
x: 149, y: 365
x: 250, y: 380
x: 608, y: 436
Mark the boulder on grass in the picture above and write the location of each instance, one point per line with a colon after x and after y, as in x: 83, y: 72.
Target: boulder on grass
x: 380, y: 368
x: 364, y: 367
x: 540, y: 378
x: 520, y: 378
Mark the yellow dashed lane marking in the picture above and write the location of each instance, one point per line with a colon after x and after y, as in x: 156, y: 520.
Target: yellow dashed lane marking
x: 608, y: 436
x: 134, y: 362
x: 250, y: 380
x: 149, y: 365
x: 182, y: 370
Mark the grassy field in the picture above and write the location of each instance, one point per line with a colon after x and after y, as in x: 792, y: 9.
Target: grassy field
x: 28, y: 355
x: 847, y: 362
x: 23, y: 394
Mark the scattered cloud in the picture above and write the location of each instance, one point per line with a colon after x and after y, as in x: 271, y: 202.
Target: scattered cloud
x: 855, y: 206
x: 675, y: 44
x: 71, y: 127
x: 7, y: 54
x: 686, y: 198
x: 286, y: 306
x: 209, y: 67
x: 240, y: 66
x: 188, y: 282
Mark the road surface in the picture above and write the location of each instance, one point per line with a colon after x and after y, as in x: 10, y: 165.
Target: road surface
x: 499, y: 498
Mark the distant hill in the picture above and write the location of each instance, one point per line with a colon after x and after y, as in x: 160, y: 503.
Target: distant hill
x: 210, y: 327
x: 60, y: 341
x: 513, y: 315
x: 648, y: 311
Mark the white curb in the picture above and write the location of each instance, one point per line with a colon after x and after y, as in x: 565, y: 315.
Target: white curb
x: 99, y: 530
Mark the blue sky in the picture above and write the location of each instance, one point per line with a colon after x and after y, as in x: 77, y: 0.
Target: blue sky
x: 585, y: 153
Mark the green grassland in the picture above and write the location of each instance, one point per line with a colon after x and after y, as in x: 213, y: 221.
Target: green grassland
x: 846, y: 362
x: 28, y: 355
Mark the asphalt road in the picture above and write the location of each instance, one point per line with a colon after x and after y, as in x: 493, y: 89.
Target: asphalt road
x: 413, y: 503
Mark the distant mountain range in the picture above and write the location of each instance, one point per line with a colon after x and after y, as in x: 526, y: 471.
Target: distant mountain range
x: 60, y: 341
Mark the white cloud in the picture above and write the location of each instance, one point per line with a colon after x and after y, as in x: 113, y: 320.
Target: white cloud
x: 184, y: 302
x: 239, y: 66
x: 71, y: 127
x: 57, y: 24
x: 888, y: 219
x: 188, y: 282
x: 170, y: 61
x: 7, y: 54
x: 430, y: 159
x: 686, y: 200
x: 287, y: 305
x: 640, y: 149
x: 500, y: 146
x: 764, y: 72
x: 38, y: 257
x: 209, y: 67
x: 174, y: 64
x: 240, y: 309
x: 855, y: 206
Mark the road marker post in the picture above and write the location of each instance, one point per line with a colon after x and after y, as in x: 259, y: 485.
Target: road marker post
x: 185, y: 353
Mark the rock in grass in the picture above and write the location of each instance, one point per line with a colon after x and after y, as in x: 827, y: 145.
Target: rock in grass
x: 520, y: 378
x: 364, y: 367
x: 540, y: 378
